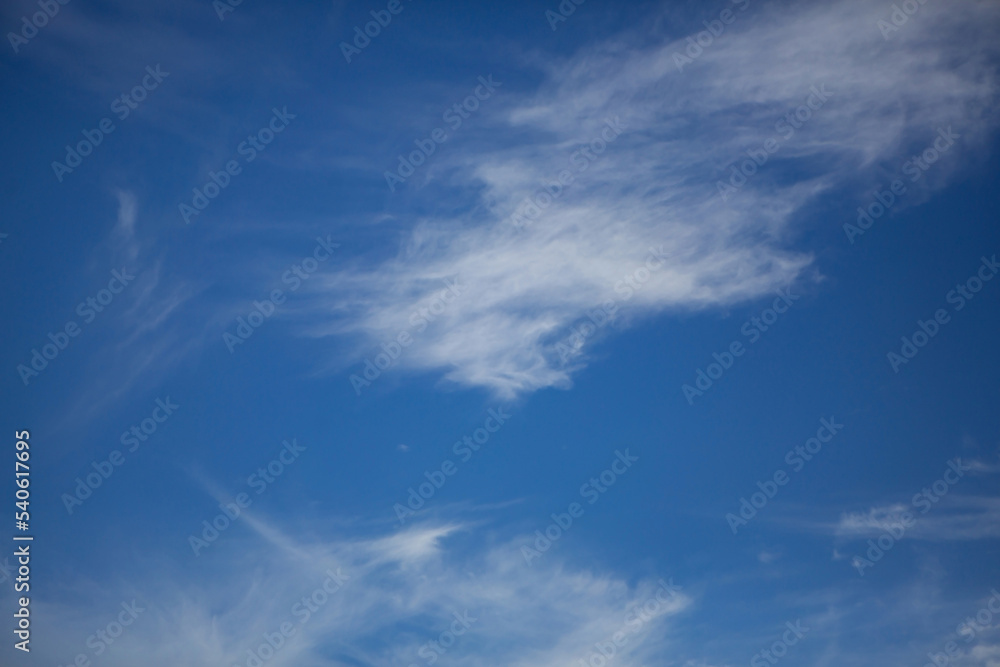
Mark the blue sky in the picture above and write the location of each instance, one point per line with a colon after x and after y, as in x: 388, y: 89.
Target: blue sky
x: 525, y: 334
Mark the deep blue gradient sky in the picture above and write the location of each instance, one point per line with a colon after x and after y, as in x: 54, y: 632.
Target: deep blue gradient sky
x: 502, y: 341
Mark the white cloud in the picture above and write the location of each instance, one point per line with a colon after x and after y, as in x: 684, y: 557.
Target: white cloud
x: 953, y: 518
x: 655, y: 185
x: 401, y: 592
x: 153, y: 314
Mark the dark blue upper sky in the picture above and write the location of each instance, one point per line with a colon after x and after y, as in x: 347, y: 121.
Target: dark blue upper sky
x: 527, y: 334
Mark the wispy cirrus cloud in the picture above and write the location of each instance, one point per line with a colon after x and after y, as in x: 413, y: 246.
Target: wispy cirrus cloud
x: 398, y: 592
x: 656, y: 183
x: 954, y: 518
x: 146, y: 332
